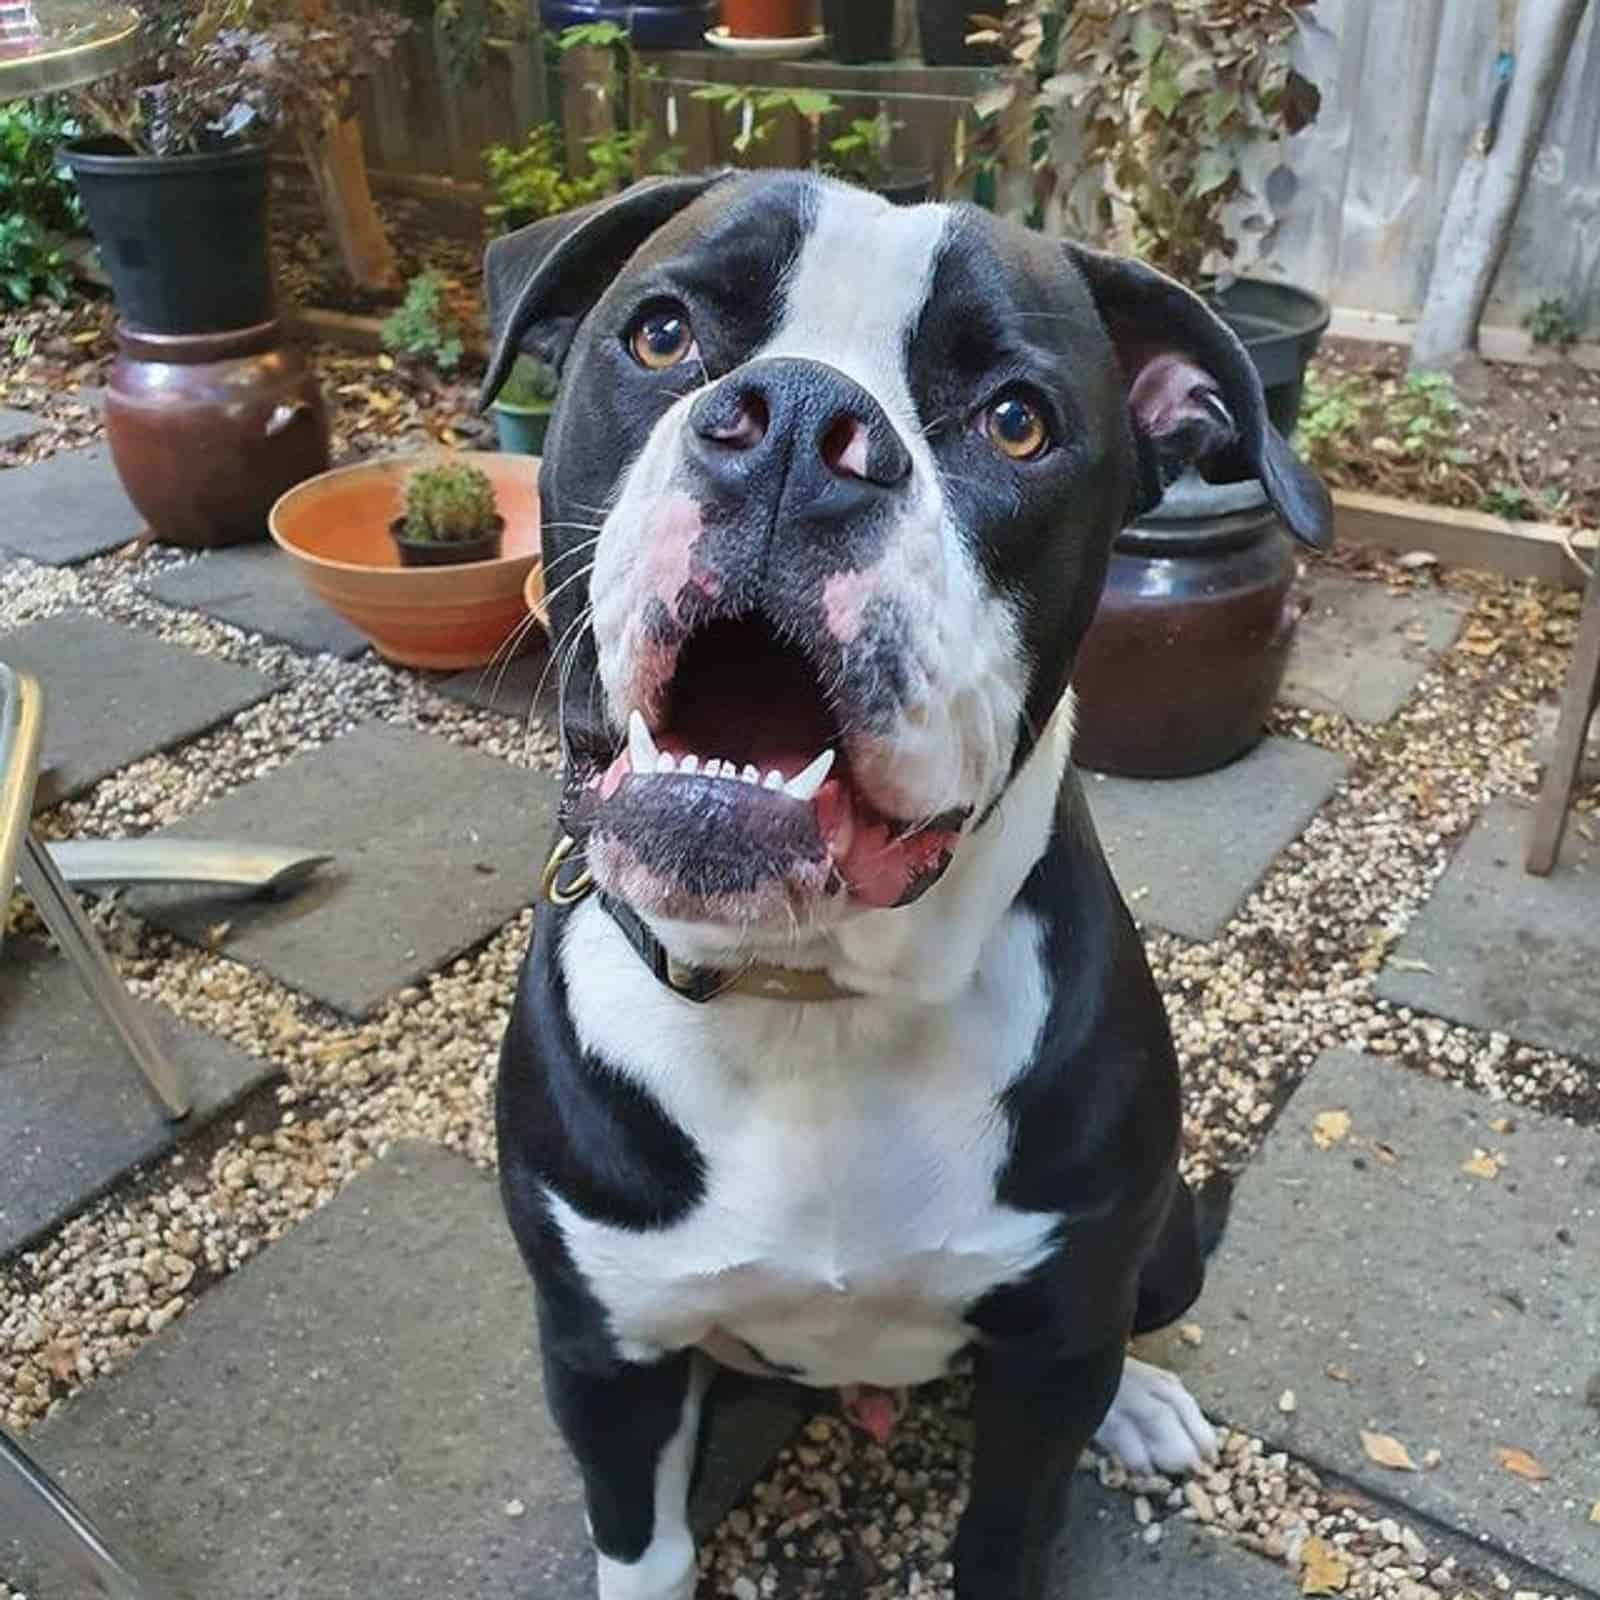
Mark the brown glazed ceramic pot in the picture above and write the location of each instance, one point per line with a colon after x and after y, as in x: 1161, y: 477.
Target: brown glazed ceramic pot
x: 1187, y: 650
x: 208, y: 430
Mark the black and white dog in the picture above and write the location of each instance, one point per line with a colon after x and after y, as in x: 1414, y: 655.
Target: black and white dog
x: 851, y: 1066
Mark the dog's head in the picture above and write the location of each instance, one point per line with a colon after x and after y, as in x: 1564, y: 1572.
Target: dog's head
x: 828, y: 498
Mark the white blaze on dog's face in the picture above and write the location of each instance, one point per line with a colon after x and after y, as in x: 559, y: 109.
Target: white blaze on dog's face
x: 828, y: 503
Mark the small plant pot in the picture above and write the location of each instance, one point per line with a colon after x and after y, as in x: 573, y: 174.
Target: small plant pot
x: 521, y: 430
x: 446, y: 552
x: 860, y: 30
x: 768, y: 19
x: 1281, y: 326
x: 661, y: 25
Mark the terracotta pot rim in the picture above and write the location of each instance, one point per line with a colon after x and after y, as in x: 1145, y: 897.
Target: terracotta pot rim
x: 393, y: 576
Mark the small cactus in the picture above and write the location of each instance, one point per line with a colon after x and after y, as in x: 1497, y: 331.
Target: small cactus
x: 451, y: 503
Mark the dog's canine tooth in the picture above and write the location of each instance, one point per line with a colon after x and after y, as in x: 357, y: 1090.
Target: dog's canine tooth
x: 751, y: 774
x: 773, y: 780
x: 642, y: 752
x: 804, y: 785
x: 689, y: 764
x: 665, y: 763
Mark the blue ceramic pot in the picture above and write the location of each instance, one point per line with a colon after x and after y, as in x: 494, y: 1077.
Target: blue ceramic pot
x: 521, y: 430
x: 657, y: 25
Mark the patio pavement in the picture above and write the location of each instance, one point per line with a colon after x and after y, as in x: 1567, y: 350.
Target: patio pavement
x: 357, y: 1409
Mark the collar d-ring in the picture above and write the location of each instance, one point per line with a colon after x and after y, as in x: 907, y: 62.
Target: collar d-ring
x: 552, y: 888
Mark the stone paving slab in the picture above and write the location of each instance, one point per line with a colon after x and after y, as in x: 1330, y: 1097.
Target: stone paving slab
x: 74, y: 1114
x: 66, y: 508
x: 1188, y: 851
x: 434, y: 846
x: 351, y: 1414
x: 1465, y: 1310
x: 253, y: 586
x: 15, y: 426
x: 1503, y: 950
x: 510, y: 691
x: 114, y: 694
x: 1361, y: 650
x: 1109, y: 1560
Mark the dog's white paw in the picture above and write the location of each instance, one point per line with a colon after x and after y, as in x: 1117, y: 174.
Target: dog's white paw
x: 666, y: 1571
x: 1155, y: 1426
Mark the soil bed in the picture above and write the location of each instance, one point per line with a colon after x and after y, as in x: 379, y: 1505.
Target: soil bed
x: 1519, y: 441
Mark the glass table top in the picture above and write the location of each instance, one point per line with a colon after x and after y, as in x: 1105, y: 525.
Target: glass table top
x: 46, y: 45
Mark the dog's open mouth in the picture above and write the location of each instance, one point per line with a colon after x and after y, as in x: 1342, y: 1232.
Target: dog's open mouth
x: 744, y: 785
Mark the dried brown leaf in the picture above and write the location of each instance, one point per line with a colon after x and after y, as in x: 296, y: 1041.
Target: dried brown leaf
x: 1521, y: 1464
x: 1321, y: 1570
x: 1484, y: 1164
x: 60, y: 1358
x: 1387, y: 1452
x: 1330, y: 1128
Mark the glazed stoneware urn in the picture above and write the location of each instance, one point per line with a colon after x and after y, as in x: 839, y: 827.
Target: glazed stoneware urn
x: 211, y: 411
x: 1188, y: 648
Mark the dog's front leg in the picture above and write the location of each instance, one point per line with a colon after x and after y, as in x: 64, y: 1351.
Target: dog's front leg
x: 1035, y: 1413
x: 633, y: 1429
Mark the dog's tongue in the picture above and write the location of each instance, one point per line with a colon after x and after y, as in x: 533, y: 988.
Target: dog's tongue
x: 880, y: 869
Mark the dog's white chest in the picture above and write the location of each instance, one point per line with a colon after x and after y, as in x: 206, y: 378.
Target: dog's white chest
x: 849, y: 1215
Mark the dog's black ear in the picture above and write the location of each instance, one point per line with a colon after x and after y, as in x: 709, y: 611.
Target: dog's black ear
x: 1193, y: 391
x: 541, y: 281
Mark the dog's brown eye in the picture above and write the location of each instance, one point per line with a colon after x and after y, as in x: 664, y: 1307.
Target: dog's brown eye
x: 661, y: 339
x: 1017, y: 428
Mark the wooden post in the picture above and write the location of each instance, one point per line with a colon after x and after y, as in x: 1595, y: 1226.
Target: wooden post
x: 339, y: 167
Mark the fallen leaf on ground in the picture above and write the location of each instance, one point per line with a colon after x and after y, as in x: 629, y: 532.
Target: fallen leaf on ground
x: 1413, y: 559
x: 1409, y: 964
x: 1386, y: 1153
x: 1522, y: 1464
x: 1501, y: 1125
x: 1387, y: 1452
x: 60, y: 1357
x: 216, y: 934
x: 1337, y: 1373
x: 1330, y: 1128
x: 1594, y: 1516
x: 1483, y: 1164
x: 1321, y: 1570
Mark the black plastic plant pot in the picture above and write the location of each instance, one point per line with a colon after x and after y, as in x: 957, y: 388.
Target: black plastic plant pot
x: 661, y: 25
x: 184, y: 238
x: 944, y: 26
x: 905, y: 188
x: 1281, y: 326
x: 860, y: 30
x: 446, y: 552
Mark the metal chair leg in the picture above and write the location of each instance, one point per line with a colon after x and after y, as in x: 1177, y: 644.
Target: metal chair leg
x: 64, y: 917
x: 32, y: 1502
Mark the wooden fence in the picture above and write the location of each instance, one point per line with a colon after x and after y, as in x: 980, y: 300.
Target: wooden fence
x: 1405, y: 87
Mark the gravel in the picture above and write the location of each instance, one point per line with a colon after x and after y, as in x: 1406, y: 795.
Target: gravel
x: 1292, y: 975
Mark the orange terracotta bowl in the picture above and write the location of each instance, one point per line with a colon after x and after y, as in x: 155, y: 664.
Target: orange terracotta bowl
x: 335, y: 528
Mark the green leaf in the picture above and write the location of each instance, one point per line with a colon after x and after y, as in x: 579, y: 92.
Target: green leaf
x: 1211, y: 171
x: 1162, y: 92
x: 1146, y: 39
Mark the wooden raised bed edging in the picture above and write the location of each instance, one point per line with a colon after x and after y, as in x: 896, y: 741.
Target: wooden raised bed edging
x: 1464, y: 538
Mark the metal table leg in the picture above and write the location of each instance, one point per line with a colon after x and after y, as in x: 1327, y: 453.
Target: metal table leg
x: 64, y: 917
x: 30, y: 1500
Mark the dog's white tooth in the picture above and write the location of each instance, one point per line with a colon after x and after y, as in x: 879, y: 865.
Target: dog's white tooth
x: 689, y: 764
x: 774, y: 780
x: 712, y: 768
x: 804, y: 785
x: 665, y: 763
x: 751, y: 774
x: 641, y: 747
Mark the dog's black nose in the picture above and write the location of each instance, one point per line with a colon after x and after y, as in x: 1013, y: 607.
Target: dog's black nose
x: 797, y: 428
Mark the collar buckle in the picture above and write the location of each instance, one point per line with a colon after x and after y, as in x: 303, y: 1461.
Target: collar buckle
x: 551, y: 888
